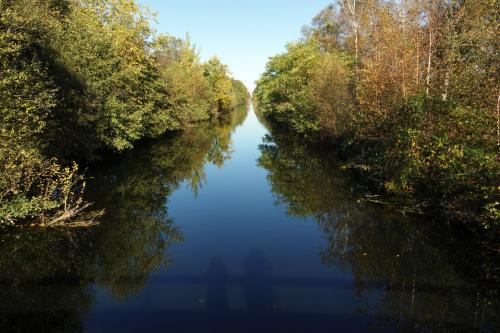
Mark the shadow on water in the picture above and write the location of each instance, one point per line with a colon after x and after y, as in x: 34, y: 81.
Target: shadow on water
x: 257, y: 285
x: 258, y: 293
x: 260, y: 312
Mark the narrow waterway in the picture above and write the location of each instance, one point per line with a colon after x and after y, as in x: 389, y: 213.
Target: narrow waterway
x: 236, y: 227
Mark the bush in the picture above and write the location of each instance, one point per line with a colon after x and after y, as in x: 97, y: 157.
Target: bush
x: 35, y: 189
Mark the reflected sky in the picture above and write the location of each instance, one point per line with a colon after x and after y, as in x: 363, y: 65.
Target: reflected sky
x: 234, y: 232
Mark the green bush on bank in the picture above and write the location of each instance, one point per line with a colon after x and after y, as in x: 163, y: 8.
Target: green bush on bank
x: 434, y: 154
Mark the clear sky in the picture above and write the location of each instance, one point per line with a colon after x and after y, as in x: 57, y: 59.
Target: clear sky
x: 242, y: 33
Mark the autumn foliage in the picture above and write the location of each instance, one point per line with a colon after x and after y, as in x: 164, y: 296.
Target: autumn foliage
x: 408, y: 93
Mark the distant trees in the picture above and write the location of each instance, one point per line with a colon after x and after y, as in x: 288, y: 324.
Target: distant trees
x: 240, y: 95
x: 78, y: 77
x: 283, y: 91
x: 409, y: 91
x: 182, y: 72
x: 219, y: 83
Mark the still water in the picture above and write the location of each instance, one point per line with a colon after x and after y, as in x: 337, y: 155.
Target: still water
x: 236, y: 227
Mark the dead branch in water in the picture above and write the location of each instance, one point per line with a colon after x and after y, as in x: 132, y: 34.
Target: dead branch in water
x: 64, y: 220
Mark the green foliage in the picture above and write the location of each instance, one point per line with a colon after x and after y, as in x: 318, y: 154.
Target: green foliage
x: 114, y: 94
x: 27, y: 93
x: 219, y: 83
x: 181, y: 71
x: 240, y: 95
x: 283, y: 90
x: 79, y: 77
x: 442, y: 144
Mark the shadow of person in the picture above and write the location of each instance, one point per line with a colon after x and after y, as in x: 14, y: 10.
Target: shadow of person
x: 258, y: 284
x: 217, y: 279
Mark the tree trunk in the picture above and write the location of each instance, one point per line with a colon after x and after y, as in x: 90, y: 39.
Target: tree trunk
x: 446, y: 85
x: 429, y: 58
x: 429, y: 64
x: 356, y: 50
x: 417, y: 71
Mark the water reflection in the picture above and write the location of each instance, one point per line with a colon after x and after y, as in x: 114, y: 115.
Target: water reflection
x: 244, y: 266
x: 411, y: 274
x: 259, y: 285
x: 136, y: 231
x: 41, y: 289
x: 47, y: 278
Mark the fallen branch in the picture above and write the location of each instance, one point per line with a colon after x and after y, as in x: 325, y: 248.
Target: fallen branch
x: 63, y: 219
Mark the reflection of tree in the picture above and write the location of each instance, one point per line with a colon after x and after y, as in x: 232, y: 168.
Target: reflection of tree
x: 221, y: 148
x: 41, y: 289
x: 44, y: 275
x: 136, y: 230
x: 426, y: 276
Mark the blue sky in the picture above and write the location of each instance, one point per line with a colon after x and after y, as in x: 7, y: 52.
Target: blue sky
x: 242, y: 33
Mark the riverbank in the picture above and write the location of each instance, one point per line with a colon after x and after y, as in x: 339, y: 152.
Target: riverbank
x: 367, y: 189
x: 429, y: 139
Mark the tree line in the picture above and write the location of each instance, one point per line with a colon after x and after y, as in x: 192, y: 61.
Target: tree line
x: 82, y: 78
x: 406, y: 92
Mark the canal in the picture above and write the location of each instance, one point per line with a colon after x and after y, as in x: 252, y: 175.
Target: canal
x: 239, y: 227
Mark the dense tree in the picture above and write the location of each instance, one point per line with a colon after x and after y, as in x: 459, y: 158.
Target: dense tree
x: 220, y: 85
x: 182, y: 72
x: 28, y: 98
x: 80, y: 77
x: 283, y: 90
x: 240, y: 95
x: 409, y: 92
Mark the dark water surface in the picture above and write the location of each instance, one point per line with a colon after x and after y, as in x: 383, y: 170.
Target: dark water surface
x: 233, y: 228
